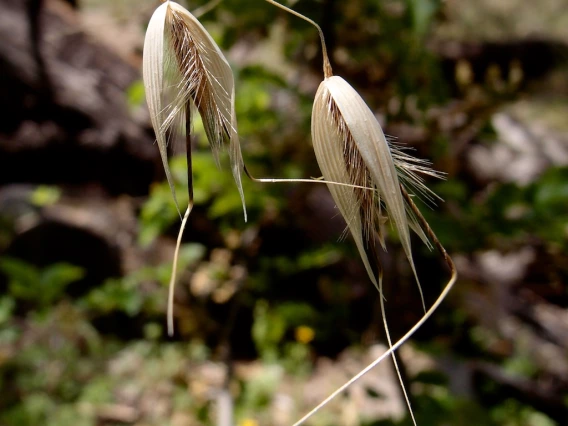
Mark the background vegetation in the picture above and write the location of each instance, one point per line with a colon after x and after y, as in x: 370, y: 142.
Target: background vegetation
x: 277, y: 312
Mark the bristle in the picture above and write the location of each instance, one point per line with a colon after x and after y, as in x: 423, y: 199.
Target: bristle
x: 370, y: 143
x: 410, y: 170
x: 357, y: 170
x: 369, y: 206
x: 194, y: 83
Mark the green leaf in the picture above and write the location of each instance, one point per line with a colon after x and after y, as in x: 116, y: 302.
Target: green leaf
x: 43, y: 286
x: 268, y: 330
x: 422, y: 13
x: 23, y: 278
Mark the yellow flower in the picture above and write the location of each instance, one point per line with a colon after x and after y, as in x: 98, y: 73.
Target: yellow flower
x: 248, y: 422
x: 304, y: 334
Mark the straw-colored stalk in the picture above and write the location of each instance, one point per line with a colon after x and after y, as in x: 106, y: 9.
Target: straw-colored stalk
x: 184, y: 69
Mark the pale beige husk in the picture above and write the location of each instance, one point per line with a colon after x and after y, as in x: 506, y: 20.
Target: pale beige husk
x: 340, y: 115
x: 183, y: 63
x: 351, y: 147
x: 328, y: 147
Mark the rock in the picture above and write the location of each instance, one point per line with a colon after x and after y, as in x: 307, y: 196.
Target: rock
x: 66, y: 117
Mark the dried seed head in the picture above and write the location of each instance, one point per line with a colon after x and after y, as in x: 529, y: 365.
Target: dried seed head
x: 330, y: 144
x: 351, y: 148
x: 184, y: 67
x: 362, y: 168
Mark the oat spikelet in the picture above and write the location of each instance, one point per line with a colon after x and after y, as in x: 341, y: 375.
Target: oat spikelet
x: 342, y: 123
x: 184, y: 69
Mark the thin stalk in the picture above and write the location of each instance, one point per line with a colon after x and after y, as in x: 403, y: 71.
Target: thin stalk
x: 188, y: 151
x: 429, y: 231
x: 416, y: 326
x: 207, y: 7
x: 174, y: 272
x: 184, y: 220
x: 379, y: 276
x: 312, y: 180
x: 395, y: 362
x: 327, y: 71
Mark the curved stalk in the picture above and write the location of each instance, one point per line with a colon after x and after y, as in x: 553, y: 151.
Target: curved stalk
x: 312, y: 180
x: 395, y: 362
x: 172, y: 283
x: 416, y: 326
x: 327, y: 71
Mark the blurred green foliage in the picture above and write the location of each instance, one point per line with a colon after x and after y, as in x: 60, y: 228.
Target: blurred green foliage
x: 40, y: 286
x: 508, y: 212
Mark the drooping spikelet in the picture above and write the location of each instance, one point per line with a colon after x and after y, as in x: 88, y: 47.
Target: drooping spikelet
x: 351, y: 148
x: 183, y: 68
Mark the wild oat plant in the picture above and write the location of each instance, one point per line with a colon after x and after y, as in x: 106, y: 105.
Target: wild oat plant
x: 371, y: 179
